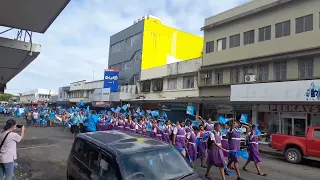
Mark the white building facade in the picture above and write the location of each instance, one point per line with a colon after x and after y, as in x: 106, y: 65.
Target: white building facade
x: 36, y: 95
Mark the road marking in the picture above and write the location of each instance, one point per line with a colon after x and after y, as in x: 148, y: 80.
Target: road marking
x: 33, y: 147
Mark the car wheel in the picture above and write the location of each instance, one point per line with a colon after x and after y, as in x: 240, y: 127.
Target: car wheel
x: 293, y: 155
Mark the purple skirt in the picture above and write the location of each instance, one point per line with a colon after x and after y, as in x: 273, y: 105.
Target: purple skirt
x: 166, y: 138
x: 120, y: 128
x: 254, y: 154
x: 192, y: 152
x: 225, y: 145
x: 216, y: 157
x: 202, y: 149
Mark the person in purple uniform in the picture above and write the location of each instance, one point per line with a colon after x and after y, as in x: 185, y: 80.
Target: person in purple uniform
x: 156, y: 130
x: 133, y: 125
x: 234, y: 144
x: 120, y: 123
x: 253, y: 150
x: 167, y: 132
x: 127, y: 124
x: 202, y: 146
x: 215, y: 152
x: 191, y: 147
x: 139, y: 127
x: 179, y: 138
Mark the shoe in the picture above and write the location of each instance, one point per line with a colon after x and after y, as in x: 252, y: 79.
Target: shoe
x: 240, y: 178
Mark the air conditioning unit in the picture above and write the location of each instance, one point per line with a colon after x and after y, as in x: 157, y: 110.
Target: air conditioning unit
x: 250, y: 78
x: 204, y: 75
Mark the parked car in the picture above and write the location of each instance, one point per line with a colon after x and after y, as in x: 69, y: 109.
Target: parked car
x: 295, y: 148
x: 118, y: 155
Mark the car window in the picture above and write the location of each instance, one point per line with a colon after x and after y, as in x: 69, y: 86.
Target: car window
x: 90, y: 156
x: 155, y: 165
x: 107, y: 169
x: 316, y: 133
x: 77, y: 148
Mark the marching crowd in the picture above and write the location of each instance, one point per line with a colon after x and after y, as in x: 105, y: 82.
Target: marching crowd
x: 214, y: 144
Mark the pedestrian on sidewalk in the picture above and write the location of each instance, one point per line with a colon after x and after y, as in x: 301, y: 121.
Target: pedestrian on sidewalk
x: 8, y: 148
x: 253, y: 151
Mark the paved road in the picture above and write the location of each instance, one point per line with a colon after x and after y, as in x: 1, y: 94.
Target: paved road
x: 43, y: 153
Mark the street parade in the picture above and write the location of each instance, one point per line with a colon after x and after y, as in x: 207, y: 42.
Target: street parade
x: 215, y: 144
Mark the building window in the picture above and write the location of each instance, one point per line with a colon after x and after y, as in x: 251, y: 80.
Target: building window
x: 218, y: 77
x: 137, y: 57
x: 263, y: 72
x: 117, y: 47
x: 304, y: 24
x: 280, y: 71
x: 234, y: 41
x: 157, y: 85
x: 116, y: 66
x: 206, y: 78
x: 248, y: 37
x: 248, y: 70
x: 188, y: 82
x: 222, y: 44
x: 146, y: 86
x: 133, y: 40
x: 264, y: 33
x: 209, y: 47
x: 172, y: 83
x: 283, y: 29
x: 234, y: 75
x: 305, y: 68
x: 127, y: 65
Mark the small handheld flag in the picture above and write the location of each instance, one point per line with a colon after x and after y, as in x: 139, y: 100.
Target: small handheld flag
x: 190, y: 110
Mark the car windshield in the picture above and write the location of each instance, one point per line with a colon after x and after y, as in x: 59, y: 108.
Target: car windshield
x: 161, y: 164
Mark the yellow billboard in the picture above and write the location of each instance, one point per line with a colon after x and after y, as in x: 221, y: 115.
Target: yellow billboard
x: 165, y: 45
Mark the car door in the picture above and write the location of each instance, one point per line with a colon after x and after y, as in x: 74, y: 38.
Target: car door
x: 74, y: 162
x: 90, y: 162
x: 108, y: 168
x: 313, y: 143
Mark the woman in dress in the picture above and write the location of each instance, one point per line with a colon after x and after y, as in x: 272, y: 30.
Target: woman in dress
x: 191, y: 146
x: 202, y: 146
x: 234, y: 144
x: 253, y: 151
x: 167, y: 132
x: 215, y: 152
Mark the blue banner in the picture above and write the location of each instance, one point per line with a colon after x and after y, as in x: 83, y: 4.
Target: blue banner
x: 190, y: 110
x: 111, y: 77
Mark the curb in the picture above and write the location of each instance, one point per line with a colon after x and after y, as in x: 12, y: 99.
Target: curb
x: 271, y: 153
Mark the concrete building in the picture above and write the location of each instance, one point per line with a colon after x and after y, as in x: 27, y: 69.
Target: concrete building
x: 63, y: 96
x: 265, y: 54
x: 94, y: 93
x: 147, y: 44
x: 24, y: 17
x: 36, y: 96
x: 171, y: 86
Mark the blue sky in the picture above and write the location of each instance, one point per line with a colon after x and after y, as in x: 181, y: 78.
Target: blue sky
x: 76, y: 45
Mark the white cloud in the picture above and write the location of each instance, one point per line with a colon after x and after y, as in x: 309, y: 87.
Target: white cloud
x: 77, y: 43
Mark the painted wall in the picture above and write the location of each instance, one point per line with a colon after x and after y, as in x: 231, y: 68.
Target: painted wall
x: 165, y: 45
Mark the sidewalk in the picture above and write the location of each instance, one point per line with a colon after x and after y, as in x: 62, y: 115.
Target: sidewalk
x: 265, y: 149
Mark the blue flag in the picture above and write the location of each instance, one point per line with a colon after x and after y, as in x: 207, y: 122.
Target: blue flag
x: 244, y: 118
x: 161, y: 126
x: 125, y: 107
x: 258, y: 132
x: 223, y: 120
x: 190, y: 110
x: 195, y: 123
x: 118, y: 109
x: 155, y: 113
x: 164, y: 116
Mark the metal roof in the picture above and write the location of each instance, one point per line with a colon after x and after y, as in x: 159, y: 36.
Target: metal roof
x: 32, y: 15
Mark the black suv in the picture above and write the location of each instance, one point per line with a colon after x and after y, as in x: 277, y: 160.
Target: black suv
x: 118, y: 155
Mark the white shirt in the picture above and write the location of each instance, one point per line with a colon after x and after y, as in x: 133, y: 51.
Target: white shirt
x: 9, y: 148
x: 189, y: 134
x: 35, y: 115
x: 175, y: 130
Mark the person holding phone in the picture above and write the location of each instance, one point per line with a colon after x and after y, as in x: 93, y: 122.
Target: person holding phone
x: 8, y: 148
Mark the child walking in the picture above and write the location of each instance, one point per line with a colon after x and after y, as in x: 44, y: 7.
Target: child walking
x: 253, y: 151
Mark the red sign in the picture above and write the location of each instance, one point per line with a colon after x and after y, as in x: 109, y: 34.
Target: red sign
x: 295, y: 108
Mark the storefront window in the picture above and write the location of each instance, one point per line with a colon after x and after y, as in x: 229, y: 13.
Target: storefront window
x: 237, y: 114
x: 286, y: 126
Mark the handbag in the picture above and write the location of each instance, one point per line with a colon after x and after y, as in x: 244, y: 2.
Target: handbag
x: 5, y: 137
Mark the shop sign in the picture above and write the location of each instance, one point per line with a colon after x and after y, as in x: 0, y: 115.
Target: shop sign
x: 101, y: 104
x: 295, y: 108
x: 175, y: 106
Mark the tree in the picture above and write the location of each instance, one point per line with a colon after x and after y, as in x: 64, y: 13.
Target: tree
x: 5, y: 97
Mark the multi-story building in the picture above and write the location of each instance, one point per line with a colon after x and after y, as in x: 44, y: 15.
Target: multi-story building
x: 173, y: 86
x: 147, y: 44
x: 63, y: 95
x: 95, y: 93
x: 266, y: 55
x: 36, y: 96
